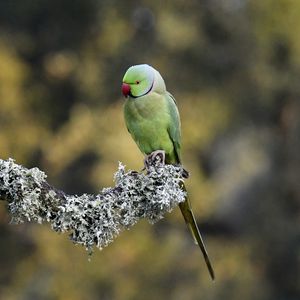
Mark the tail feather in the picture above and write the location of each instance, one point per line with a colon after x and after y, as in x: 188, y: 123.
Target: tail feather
x: 189, y: 218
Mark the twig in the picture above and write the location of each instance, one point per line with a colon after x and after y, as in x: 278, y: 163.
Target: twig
x: 92, y: 220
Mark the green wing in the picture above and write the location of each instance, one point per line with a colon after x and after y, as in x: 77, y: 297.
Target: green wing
x: 174, y: 127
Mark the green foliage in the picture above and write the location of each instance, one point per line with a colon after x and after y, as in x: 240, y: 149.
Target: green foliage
x: 233, y: 67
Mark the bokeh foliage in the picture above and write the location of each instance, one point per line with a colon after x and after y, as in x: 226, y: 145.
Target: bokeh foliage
x: 233, y: 67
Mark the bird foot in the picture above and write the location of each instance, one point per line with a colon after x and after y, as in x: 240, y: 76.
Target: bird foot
x: 156, y: 157
x: 185, y: 173
x: 159, y: 157
x: 134, y: 173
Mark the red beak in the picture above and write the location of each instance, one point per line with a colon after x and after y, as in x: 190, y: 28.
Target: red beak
x: 125, y: 89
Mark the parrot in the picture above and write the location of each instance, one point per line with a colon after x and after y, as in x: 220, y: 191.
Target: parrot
x: 152, y: 118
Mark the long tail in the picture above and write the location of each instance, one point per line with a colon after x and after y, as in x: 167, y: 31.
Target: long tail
x: 189, y: 218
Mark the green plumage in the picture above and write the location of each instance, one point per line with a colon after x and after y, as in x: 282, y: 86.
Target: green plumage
x: 153, y: 122
x: 152, y: 118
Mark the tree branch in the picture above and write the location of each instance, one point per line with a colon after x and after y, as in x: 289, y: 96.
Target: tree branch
x: 92, y: 220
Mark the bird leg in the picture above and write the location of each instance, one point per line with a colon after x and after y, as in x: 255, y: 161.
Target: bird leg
x: 155, y: 157
x: 159, y: 156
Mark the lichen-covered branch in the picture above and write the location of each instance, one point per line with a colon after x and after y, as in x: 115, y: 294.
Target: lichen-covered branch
x: 92, y: 220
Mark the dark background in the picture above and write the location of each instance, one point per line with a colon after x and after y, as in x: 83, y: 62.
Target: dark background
x: 234, y: 68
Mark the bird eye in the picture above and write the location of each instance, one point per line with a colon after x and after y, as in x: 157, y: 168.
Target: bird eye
x: 137, y: 82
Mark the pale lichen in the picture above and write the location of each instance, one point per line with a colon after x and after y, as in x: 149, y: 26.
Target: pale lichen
x: 92, y: 220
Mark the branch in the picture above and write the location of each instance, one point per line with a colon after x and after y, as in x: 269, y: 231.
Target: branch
x: 92, y: 220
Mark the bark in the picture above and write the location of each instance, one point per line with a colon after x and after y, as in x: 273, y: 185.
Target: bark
x: 92, y: 220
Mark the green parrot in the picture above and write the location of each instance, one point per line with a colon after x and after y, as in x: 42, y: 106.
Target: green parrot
x: 152, y: 118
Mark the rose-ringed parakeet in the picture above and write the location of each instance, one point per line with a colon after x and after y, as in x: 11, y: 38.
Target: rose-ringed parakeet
x: 152, y: 118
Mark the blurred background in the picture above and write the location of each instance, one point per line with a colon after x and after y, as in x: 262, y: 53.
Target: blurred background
x: 234, y: 68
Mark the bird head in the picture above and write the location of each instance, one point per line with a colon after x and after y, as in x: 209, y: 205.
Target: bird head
x: 140, y: 80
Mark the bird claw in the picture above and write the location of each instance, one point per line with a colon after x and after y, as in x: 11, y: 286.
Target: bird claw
x: 155, y: 157
x: 159, y: 157
x: 185, y: 173
x: 133, y: 173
